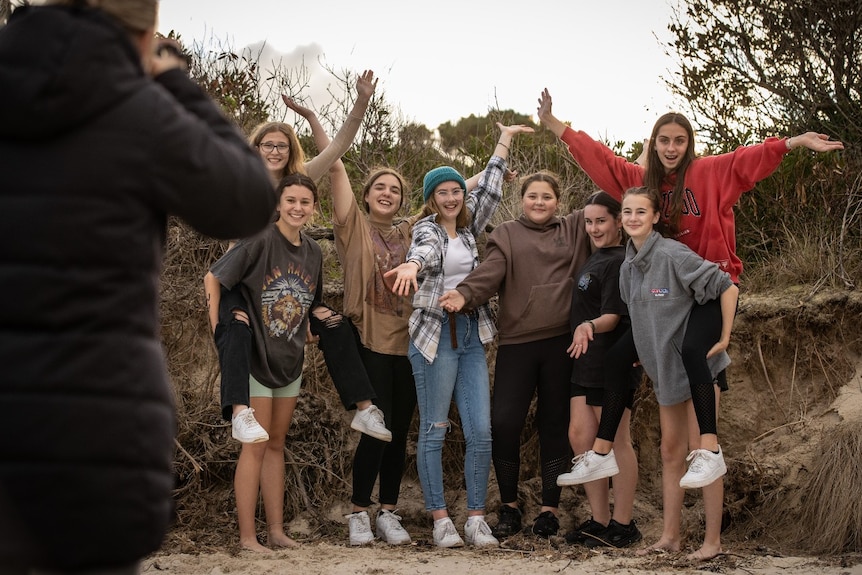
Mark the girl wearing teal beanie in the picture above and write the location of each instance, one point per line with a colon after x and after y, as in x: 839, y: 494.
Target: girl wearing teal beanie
x: 447, y: 349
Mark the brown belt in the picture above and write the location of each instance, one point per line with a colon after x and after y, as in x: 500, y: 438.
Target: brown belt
x: 453, y: 333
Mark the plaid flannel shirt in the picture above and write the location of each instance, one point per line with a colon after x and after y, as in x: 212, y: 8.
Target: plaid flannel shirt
x: 430, y: 242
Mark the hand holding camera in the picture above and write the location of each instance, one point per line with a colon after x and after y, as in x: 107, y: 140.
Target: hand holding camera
x: 167, y: 55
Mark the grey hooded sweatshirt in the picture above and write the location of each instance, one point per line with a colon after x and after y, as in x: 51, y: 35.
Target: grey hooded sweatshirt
x: 660, y: 283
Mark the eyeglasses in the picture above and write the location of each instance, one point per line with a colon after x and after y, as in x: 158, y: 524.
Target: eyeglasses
x: 443, y: 194
x: 269, y: 147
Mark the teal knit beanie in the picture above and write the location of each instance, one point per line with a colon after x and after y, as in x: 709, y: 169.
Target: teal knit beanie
x: 439, y: 175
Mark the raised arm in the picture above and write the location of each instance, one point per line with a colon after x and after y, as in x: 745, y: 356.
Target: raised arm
x: 318, y: 166
x: 482, y: 202
x: 342, y: 193
x: 321, y: 139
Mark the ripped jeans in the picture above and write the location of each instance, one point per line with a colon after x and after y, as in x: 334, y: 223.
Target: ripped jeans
x: 461, y: 373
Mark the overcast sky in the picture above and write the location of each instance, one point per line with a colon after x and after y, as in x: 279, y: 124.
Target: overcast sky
x: 442, y: 60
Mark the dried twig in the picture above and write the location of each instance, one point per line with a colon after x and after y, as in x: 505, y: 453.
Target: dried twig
x: 768, y: 381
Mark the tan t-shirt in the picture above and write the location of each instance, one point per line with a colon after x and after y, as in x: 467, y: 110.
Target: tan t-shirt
x: 366, y: 252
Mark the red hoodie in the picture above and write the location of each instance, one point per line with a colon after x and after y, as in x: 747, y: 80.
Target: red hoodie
x: 713, y: 184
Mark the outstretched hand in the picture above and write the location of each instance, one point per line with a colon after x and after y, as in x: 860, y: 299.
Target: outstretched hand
x: 297, y: 107
x: 816, y: 142
x: 403, y: 278
x: 452, y: 301
x: 515, y: 129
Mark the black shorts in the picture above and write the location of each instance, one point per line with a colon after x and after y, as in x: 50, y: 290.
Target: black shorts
x: 595, y: 395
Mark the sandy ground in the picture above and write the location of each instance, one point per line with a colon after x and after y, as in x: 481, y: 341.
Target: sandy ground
x: 327, y: 553
x: 418, y: 559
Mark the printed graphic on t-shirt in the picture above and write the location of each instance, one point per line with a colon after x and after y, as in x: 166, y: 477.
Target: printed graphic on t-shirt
x: 285, y: 299
x: 659, y: 292
x: 387, y: 255
x: 584, y: 282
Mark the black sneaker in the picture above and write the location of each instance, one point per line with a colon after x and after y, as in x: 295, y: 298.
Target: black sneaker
x: 508, y: 522
x: 546, y: 524
x: 616, y: 535
x: 585, y: 530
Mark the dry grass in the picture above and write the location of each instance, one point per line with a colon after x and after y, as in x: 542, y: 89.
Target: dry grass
x: 803, y: 345
x: 830, y: 518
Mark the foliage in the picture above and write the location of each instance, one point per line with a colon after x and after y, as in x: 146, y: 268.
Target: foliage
x: 751, y: 68
x: 754, y: 68
x: 802, y: 225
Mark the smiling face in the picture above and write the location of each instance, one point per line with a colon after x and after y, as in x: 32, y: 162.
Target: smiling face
x: 295, y: 207
x: 671, y: 145
x: 602, y: 227
x: 383, y: 198
x: 539, y: 202
x: 639, y: 215
x: 449, y: 200
x: 274, y: 148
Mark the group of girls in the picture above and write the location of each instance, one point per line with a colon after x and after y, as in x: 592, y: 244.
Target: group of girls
x: 578, y: 310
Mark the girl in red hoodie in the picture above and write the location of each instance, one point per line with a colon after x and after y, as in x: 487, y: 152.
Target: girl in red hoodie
x: 698, y: 195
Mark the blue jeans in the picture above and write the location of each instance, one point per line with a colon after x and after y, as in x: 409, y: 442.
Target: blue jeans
x: 461, y: 373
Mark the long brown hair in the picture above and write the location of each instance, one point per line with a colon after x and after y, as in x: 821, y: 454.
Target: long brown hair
x: 655, y: 173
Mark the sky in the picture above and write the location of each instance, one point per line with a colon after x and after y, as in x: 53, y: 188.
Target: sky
x: 602, y: 62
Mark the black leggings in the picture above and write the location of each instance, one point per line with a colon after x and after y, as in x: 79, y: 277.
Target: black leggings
x: 338, y: 343
x: 233, y: 343
x: 702, y: 331
x: 340, y: 346
x: 392, y: 378
x: 542, y: 367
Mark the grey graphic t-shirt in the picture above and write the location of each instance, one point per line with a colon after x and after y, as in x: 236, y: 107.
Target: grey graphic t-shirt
x: 281, y: 282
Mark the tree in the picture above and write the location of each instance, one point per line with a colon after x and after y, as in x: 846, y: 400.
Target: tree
x: 751, y: 67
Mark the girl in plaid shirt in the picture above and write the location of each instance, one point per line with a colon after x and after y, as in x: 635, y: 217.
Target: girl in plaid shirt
x: 447, y: 349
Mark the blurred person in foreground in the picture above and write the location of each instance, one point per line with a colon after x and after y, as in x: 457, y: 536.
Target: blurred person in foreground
x: 102, y: 136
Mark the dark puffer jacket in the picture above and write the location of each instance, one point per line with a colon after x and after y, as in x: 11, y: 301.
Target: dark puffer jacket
x: 93, y: 157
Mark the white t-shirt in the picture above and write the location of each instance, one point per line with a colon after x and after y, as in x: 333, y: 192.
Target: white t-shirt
x: 457, y: 263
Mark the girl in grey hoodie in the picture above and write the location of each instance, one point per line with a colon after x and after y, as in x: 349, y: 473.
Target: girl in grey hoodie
x: 660, y: 280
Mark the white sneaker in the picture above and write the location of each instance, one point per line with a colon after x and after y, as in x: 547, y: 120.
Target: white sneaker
x: 389, y: 528
x: 360, y: 528
x: 478, y: 533
x: 704, y: 468
x: 370, y: 422
x: 445, y: 534
x: 588, y: 467
x: 246, y: 429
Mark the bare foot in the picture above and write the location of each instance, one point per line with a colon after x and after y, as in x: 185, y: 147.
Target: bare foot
x: 705, y: 553
x: 660, y: 546
x: 282, y: 540
x: 254, y: 545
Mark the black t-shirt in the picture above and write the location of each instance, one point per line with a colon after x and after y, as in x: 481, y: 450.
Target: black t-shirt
x: 597, y: 292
